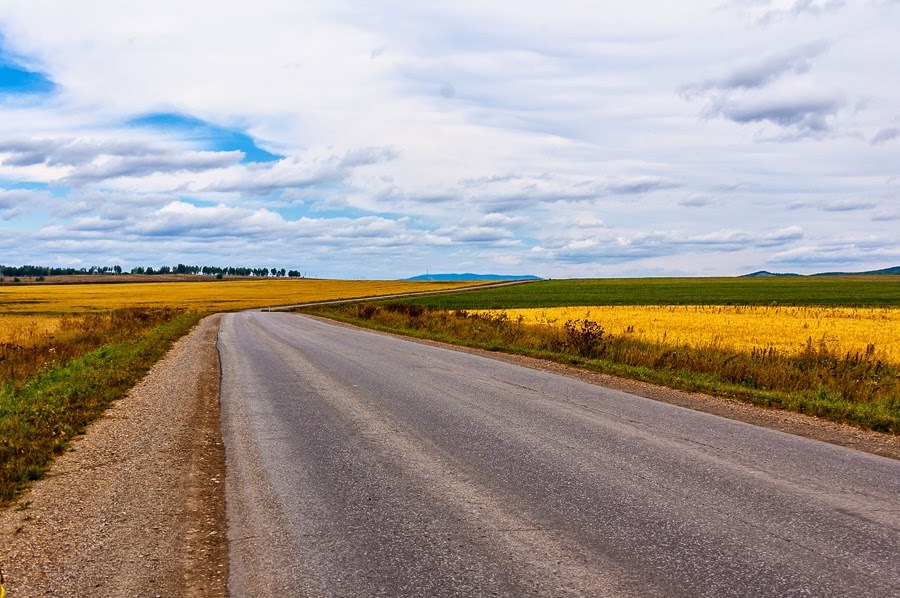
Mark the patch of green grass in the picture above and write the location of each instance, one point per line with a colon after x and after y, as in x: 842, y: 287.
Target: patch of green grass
x: 855, y: 389
x: 846, y: 291
x: 40, y: 415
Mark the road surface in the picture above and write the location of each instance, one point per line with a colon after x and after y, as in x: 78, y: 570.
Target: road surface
x: 359, y: 464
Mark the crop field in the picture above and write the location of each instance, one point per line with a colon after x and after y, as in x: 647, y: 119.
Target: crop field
x: 788, y: 330
x: 823, y: 291
x: 25, y: 331
x: 212, y: 296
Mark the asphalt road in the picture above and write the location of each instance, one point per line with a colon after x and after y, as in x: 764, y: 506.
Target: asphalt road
x: 359, y: 464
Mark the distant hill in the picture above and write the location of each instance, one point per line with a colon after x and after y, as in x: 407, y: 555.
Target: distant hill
x: 894, y: 270
x: 764, y: 273
x: 470, y: 276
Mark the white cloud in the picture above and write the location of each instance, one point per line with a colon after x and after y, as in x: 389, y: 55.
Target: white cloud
x: 884, y: 135
x: 847, y: 250
x: 552, y: 135
x: 15, y: 202
x: 840, y: 205
x: 764, y: 72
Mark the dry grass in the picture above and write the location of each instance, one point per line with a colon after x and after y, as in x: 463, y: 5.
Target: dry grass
x: 788, y: 330
x: 36, y: 344
x: 212, y: 296
x: 25, y: 331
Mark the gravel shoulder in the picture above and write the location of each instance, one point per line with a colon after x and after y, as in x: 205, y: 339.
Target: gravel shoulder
x: 137, y: 507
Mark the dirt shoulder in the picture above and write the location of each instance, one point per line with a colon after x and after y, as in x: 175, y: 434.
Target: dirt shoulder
x: 137, y: 508
x: 789, y: 422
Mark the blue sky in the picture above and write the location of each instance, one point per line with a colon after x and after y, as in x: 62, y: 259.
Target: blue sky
x: 384, y: 139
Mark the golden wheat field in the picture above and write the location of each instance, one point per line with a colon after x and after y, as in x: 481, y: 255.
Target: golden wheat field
x: 213, y: 296
x: 27, y: 330
x: 788, y: 330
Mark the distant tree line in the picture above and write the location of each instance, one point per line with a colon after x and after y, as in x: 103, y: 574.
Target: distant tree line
x: 217, y: 271
x: 47, y: 271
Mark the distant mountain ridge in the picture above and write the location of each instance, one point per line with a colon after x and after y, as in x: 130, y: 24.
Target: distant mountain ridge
x: 892, y: 270
x: 765, y: 273
x: 470, y: 276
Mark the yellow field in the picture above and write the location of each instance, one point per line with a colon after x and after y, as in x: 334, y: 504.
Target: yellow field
x: 213, y: 296
x: 26, y: 330
x: 787, y: 329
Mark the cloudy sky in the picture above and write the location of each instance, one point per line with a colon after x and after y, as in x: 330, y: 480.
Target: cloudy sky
x: 385, y: 139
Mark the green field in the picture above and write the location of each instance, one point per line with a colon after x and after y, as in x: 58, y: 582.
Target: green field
x: 846, y: 291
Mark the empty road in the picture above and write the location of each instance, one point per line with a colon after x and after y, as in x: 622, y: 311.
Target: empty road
x: 358, y: 464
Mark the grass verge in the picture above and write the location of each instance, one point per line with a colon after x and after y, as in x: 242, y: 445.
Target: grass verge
x: 855, y: 389
x: 41, y: 411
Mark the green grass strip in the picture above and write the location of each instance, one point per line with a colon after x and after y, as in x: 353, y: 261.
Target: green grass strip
x: 39, y: 418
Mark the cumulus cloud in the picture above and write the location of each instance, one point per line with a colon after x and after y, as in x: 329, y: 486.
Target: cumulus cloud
x: 886, y: 216
x: 13, y: 198
x: 834, y: 252
x: 512, y: 195
x: 115, y: 167
x: 838, y: 205
x: 885, y: 135
x: 15, y: 202
x: 504, y: 221
x: 639, y: 185
x: 797, y: 60
x: 697, y: 202
x: 84, y: 161
x: 479, y: 234
x: 220, y: 233
x: 807, y: 113
x: 164, y: 168
x: 800, y: 8
x: 612, y: 247
x: 300, y: 171
x: 747, y: 95
x: 508, y: 193
x: 70, y: 151
x: 806, y: 116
